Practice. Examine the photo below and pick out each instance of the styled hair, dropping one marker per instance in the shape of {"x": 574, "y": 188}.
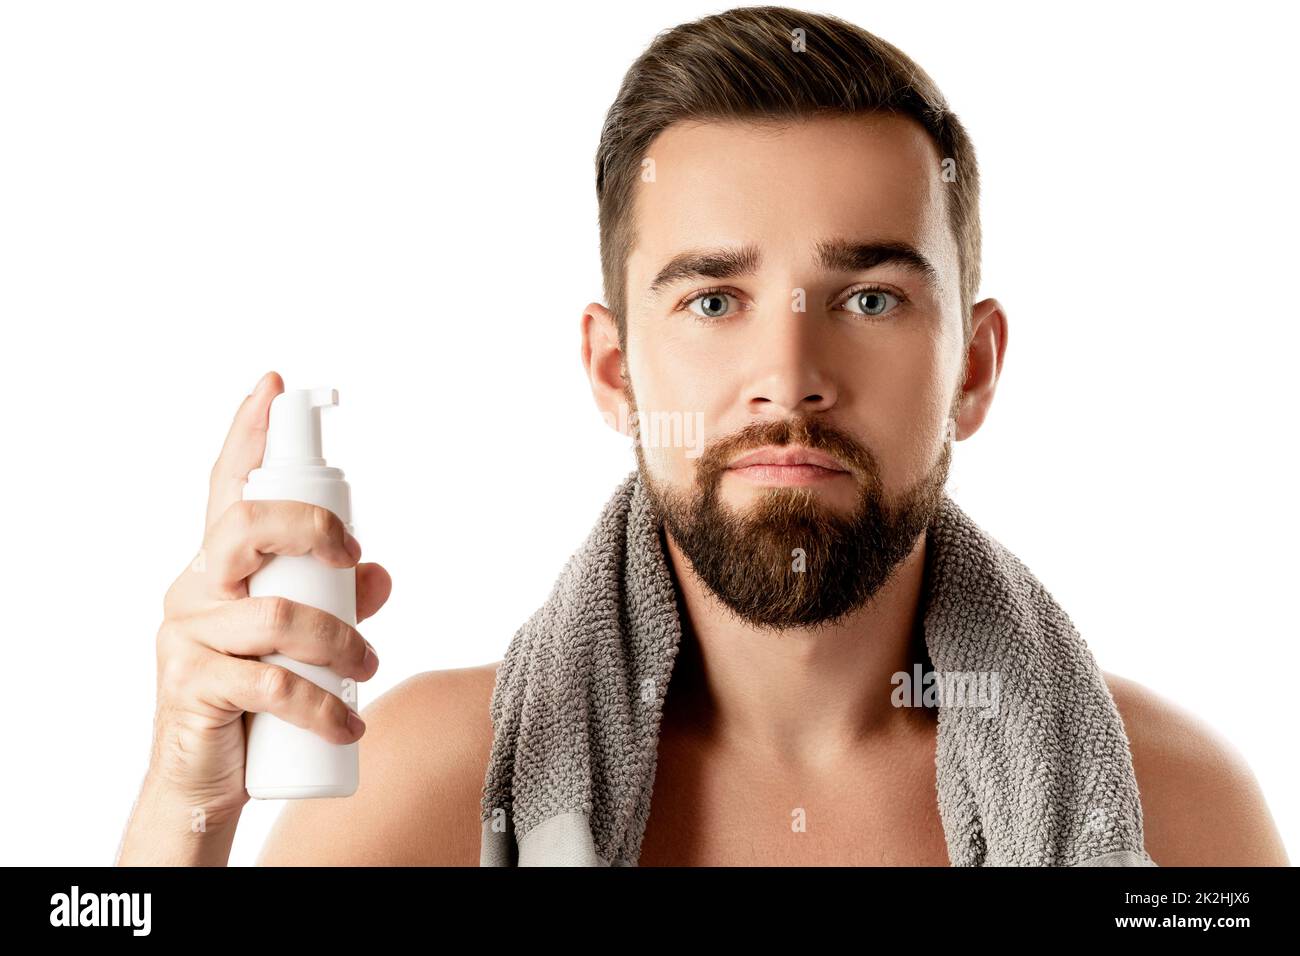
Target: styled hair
{"x": 770, "y": 63}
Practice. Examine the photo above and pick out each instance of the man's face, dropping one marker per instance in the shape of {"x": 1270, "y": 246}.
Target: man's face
{"x": 811, "y": 342}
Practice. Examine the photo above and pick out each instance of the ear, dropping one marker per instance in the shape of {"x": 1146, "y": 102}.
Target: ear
{"x": 984, "y": 356}
{"x": 605, "y": 365}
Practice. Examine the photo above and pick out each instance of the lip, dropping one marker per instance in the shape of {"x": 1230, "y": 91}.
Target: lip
{"x": 787, "y": 456}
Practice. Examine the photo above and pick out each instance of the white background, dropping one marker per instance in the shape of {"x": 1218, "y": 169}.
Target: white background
{"x": 398, "y": 200}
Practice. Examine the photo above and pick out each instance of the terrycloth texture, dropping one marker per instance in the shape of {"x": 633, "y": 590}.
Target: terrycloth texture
{"x": 1047, "y": 780}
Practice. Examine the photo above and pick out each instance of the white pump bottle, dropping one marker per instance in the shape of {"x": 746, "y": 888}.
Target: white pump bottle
{"x": 285, "y": 761}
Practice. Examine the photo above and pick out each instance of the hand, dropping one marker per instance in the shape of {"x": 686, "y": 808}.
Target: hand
{"x": 212, "y": 632}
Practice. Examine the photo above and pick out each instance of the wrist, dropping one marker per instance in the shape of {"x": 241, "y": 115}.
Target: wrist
{"x": 170, "y": 827}
{"x": 190, "y": 812}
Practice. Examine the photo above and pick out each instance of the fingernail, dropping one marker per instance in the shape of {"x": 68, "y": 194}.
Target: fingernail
{"x": 372, "y": 659}
{"x": 259, "y": 383}
{"x": 355, "y": 723}
{"x": 352, "y": 545}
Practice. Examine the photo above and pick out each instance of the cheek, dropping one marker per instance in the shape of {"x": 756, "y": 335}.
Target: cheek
{"x": 677, "y": 399}
{"x": 903, "y": 398}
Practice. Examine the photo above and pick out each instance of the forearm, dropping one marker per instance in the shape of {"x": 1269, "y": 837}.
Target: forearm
{"x": 165, "y": 829}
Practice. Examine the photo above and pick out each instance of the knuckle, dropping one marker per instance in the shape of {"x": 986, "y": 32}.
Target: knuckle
{"x": 329, "y": 709}
{"x": 169, "y": 599}
{"x": 241, "y": 514}
{"x": 323, "y": 630}
{"x": 176, "y": 669}
{"x": 179, "y": 593}
{"x": 336, "y": 632}
{"x": 324, "y": 521}
{"x": 275, "y": 683}
{"x": 360, "y": 648}
{"x": 165, "y": 640}
{"x": 274, "y": 613}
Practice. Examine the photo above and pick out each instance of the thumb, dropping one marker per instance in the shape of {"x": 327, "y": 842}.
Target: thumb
{"x": 245, "y": 444}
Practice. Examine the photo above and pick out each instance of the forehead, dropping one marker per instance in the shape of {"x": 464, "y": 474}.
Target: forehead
{"x": 783, "y": 186}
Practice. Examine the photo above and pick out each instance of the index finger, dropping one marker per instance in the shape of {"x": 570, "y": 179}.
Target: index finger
{"x": 242, "y": 452}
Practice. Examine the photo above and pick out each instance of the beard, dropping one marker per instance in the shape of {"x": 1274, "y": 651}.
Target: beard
{"x": 790, "y": 560}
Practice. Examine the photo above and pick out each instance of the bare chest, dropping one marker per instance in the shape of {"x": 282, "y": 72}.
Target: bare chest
{"x": 709, "y": 810}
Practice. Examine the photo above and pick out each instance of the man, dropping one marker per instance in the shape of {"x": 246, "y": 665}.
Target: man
{"x": 794, "y": 266}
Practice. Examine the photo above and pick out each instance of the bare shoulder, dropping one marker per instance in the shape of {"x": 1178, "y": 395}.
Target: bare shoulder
{"x": 1201, "y": 804}
{"x": 423, "y": 758}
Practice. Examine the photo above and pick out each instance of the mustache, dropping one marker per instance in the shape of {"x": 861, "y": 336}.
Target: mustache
{"x": 808, "y": 432}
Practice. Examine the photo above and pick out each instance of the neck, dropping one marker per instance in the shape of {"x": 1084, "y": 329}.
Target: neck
{"x": 797, "y": 697}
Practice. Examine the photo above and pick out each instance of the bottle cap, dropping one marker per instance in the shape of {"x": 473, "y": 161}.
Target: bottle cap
{"x": 293, "y": 432}
{"x": 293, "y": 465}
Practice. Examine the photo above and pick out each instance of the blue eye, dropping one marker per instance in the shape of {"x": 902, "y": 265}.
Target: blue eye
{"x": 710, "y": 305}
{"x": 712, "y": 301}
{"x": 872, "y": 301}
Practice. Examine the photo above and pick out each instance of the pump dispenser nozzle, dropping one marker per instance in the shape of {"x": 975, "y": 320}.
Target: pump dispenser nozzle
{"x": 293, "y": 464}
{"x": 293, "y": 432}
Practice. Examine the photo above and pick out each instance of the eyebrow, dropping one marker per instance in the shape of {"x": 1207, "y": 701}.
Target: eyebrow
{"x": 836, "y": 255}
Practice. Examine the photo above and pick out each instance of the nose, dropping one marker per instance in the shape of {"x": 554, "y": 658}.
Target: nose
{"x": 790, "y": 372}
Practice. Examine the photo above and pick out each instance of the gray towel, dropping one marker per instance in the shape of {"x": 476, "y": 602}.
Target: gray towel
{"x": 1043, "y": 778}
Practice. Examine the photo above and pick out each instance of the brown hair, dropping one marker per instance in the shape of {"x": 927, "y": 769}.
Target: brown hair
{"x": 742, "y": 64}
